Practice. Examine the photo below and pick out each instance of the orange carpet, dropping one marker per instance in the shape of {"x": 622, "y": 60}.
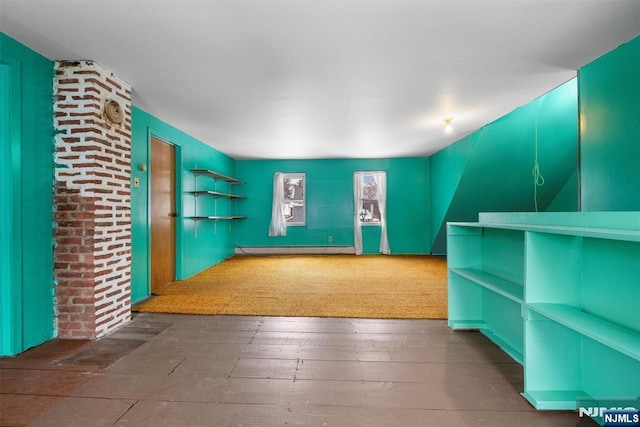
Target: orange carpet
{"x": 368, "y": 286}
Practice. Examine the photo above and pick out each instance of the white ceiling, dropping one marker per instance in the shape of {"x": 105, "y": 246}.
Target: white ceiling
{"x": 328, "y": 78}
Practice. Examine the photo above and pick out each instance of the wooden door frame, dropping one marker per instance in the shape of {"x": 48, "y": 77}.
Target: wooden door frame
{"x": 178, "y": 206}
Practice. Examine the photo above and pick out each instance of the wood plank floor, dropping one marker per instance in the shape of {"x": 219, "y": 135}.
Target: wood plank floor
{"x": 188, "y": 370}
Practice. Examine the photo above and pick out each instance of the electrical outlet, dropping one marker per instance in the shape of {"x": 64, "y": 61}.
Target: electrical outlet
{"x": 330, "y": 239}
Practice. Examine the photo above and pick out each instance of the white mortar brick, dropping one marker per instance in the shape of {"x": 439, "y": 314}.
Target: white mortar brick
{"x": 94, "y": 158}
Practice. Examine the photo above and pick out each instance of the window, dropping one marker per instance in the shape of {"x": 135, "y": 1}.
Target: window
{"x": 370, "y": 212}
{"x": 288, "y": 205}
{"x": 370, "y": 207}
{"x": 294, "y": 198}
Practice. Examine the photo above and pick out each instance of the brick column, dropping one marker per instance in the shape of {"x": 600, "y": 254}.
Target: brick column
{"x": 92, "y": 210}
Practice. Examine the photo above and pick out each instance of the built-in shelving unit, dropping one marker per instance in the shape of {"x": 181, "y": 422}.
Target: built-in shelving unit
{"x": 215, "y": 212}
{"x": 560, "y": 293}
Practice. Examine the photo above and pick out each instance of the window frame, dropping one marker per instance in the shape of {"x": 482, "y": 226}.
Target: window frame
{"x": 361, "y": 175}
{"x": 287, "y": 201}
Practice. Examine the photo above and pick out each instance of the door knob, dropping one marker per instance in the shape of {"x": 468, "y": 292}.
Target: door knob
{"x": 174, "y": 214}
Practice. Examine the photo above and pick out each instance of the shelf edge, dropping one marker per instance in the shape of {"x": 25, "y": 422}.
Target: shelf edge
{"x": 626, "y": 340}
{"x": 499, "y": 286}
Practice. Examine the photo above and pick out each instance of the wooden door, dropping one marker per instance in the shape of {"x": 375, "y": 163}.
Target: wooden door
{"x": 163, "y": 219}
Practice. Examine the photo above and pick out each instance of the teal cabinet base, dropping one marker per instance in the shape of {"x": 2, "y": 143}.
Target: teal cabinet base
{"x": 555, "y": 399}
{"x": 465, "y": 325}
{"x": 504, "y": 345}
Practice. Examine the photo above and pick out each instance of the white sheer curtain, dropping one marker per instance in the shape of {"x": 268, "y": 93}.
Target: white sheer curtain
{"x": 357, "y": 202}
{"x": 380, "y": 179}
{"x": 278, "y": 225}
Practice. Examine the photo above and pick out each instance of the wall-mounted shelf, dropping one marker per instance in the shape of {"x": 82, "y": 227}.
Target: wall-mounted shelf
{"x": 215, "y": 194}
{"x": 217, "y": 217}
{"x": 212, "y": 211}
{"x": 217, "y": 176}
{"x": 559, "y": 293}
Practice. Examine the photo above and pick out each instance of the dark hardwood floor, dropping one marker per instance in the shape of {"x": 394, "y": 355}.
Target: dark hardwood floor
{"x": 231, "y": 370}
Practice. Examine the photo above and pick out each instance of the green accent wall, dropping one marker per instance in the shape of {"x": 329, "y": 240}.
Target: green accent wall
{"x": 491, "y": 170}
{"x": 609, "y": 90}
{"x": 565, "y": 200}
{"x": 213, "y": 242}
{"x": 26, "y": 233}
{"x": 447, "y": 167}
{"x": 329, "y": 201}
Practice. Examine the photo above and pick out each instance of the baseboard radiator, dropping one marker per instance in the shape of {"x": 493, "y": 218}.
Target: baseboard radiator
{"x": 294, "y": 250}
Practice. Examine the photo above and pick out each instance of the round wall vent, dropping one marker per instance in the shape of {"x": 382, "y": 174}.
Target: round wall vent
{"x": 113, "y": 111}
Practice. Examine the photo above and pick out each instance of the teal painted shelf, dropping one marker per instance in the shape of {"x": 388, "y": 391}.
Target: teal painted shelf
{"x": 485, "y": 284}
{"x": 596, "y": 233}
{"x": 506, "y": 288}
{"x": 574, "y": 322}
{"x": 216, "y": 217}
{"x": 215, "y": 194}
{"x": 217, "y": 176}
{"x": 611, "y": 335}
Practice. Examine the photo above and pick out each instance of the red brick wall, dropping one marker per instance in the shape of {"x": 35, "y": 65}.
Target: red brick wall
{"x": 92, "y": 211}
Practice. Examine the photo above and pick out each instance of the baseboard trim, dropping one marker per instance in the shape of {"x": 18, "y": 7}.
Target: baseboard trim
{"x": 295, "y": 250}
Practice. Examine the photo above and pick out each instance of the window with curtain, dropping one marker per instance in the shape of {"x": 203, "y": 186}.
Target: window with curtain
{"x": 288, "y": 206}
{"x": 294, "y": 198}
{"x": 370, "y": 212}
{"x": 370, "y": 198}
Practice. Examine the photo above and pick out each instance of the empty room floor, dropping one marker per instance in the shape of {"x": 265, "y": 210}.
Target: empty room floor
{"x": 167, "y": 369}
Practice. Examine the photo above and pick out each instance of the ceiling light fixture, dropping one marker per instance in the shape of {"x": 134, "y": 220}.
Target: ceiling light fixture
{"x": 447, "y": 125}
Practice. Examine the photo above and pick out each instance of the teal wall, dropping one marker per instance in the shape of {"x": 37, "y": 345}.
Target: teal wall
{"x": 491, "y": 170}
{"x": 610, "y": 130}
{"x": 214, "y": 242}
{"x": 330, "y": 203}
{"x": 566, "y": 199}
{"x": 447, "y": 167}
{"x": 26, "y": 234}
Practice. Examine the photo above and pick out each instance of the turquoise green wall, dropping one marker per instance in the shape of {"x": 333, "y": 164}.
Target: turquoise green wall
{"x": 26, "y": 295}
{"x": 330, "y": 203}
{"x": 610, "y": 130}
{"x": 491, "y": 170}
{"x": 565, "y": 200}
{"x": 447, "y": 167}
{"x": 214, "y": 242}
